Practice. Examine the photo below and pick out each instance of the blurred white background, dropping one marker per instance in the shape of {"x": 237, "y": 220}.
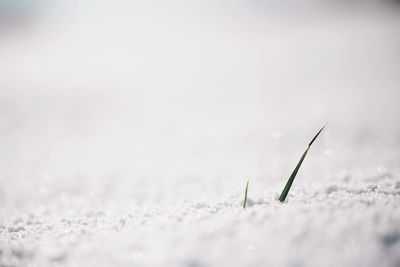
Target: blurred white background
{"x": 102, "y": 102}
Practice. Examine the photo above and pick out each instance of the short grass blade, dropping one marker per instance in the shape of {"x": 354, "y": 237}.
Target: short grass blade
{"x": 289, "y": 183}
{"x": 245, "y": 195}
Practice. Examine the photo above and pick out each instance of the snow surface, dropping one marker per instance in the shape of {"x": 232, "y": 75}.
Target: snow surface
{"x": 346, "y": 223}
{"x": 128, "y": 133}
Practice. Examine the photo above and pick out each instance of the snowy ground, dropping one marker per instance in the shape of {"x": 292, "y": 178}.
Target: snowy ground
{"x": 128, "y": 132}
{"x": 347, "y": 223}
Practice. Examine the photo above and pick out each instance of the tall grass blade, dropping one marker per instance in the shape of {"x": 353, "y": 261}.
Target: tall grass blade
{"x": 289, "y": 183}
{"x": 315, "y": 137}
{"x": 291, "y": 178}
{"x": 245, "y": 196}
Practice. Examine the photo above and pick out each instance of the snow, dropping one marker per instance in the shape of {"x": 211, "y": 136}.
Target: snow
{"x": 140, "y": 156}
{"x": 354, "y": 224}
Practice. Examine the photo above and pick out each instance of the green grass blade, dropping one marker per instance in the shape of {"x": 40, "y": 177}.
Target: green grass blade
{"x": 245, "y": 195}
{"x": 291, "y": 178}
{"x": 315, "y": 137}
{"x": 289, "y": 183}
